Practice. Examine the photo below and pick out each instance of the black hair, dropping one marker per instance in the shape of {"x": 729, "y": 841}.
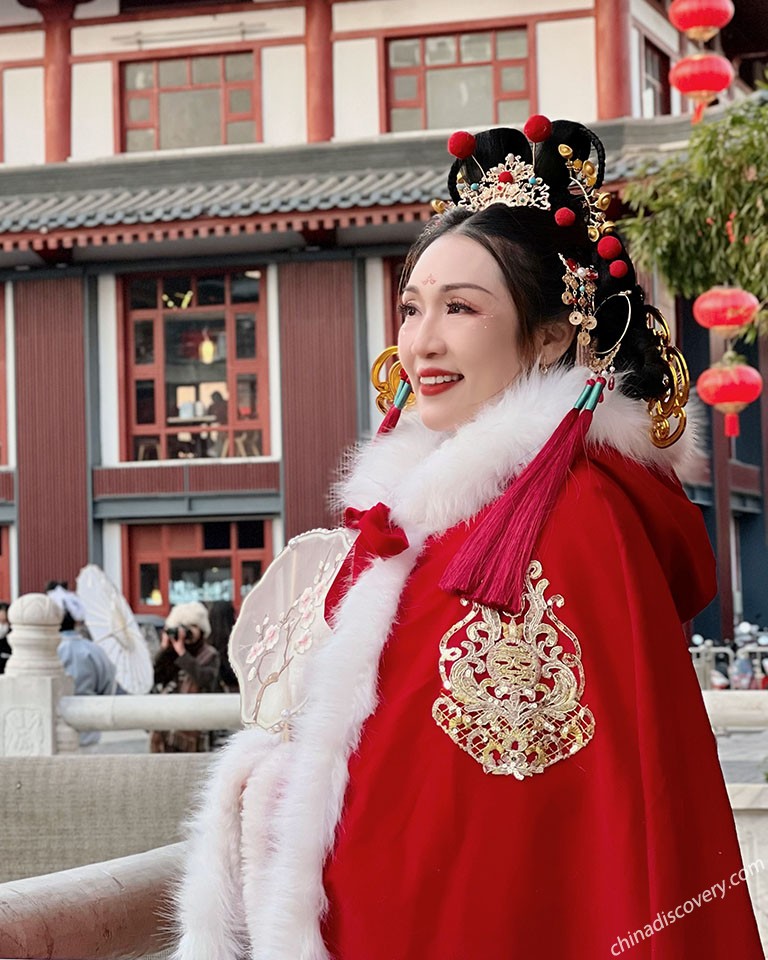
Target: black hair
{"x": 527, "y": 245}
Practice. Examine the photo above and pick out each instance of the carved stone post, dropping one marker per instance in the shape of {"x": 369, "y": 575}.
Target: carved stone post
{"x": 33, "y": 683}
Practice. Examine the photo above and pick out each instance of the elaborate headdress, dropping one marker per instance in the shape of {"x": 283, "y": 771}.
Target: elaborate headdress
{"x": 490, "y": 567}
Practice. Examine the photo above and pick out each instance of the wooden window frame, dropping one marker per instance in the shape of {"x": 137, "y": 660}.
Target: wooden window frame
{"x": 224, "y": 87}
{"x": 135, "y": 557}
{"x": 155, "y": 371}
{"x": 420, "y": 71}
{"x": 662, "y": 88}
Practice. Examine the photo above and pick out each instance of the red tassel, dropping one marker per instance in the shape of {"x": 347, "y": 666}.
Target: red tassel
{"x": 731, "y": 424}
{"x": 491, "y": 566}
{"x": 390, "y": 420}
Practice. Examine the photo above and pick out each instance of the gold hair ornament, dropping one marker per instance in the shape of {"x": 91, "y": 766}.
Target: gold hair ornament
{"x": 668, "y": 418}
{"x": 386, "y": 382}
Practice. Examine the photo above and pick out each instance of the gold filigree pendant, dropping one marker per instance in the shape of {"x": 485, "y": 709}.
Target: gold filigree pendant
{"x": 512, "y": 685}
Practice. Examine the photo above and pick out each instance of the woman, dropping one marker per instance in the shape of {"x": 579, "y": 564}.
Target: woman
{"x": 481, "y": 759}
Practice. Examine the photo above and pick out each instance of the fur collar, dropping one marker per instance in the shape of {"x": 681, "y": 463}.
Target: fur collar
{"x": 432, "y": 480}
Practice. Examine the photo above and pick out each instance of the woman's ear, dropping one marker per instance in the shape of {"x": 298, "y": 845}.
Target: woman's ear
{"x": 554, "y": 339}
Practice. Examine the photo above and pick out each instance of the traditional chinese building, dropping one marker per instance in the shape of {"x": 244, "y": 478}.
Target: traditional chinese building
{"x": 204, "y": 207}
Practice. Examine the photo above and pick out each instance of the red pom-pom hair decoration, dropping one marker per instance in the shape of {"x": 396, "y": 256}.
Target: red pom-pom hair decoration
{"x": 538, "y": 128}
{"x": 609, "y": 247}
{"x": 700, "y": 19}
{"x": 618, "y": 269}
{"x": 565, "y": 217}
{"x": 461, "y": 144}
{"x": 729, "y": 388}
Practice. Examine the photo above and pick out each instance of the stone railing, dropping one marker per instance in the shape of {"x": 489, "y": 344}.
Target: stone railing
{"x": 39, "y": 715}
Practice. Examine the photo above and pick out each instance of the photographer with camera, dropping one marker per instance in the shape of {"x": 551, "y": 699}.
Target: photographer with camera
{"x": 185, "y": 663}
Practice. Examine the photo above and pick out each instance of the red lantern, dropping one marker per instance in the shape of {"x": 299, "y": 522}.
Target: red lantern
{"x": 701, "y": 77}
{"x": 700, "y": 19}
{"x": 725, "y": 309}
{"x": 730, "y": 388}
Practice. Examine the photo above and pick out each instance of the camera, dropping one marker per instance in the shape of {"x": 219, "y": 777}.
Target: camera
{"x": 172, "y": 632}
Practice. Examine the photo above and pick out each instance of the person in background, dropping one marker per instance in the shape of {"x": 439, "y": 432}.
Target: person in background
{"x": 185, "y": 663}
{"x": 222, "y": 618}
{"x": 5, "y": 629}
{"x": 83, "y": 660}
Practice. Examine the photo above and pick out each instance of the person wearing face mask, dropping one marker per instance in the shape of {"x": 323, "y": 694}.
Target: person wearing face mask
{"x": 5, "y": 629}
{"x": 185, "y": 663}
{"x": 460, "y": 744}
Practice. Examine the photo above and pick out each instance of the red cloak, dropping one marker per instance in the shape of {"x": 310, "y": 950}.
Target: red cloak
{"x": 606, "y": 852}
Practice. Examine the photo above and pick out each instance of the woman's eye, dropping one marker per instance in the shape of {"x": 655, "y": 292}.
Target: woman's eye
{"x": 406, "y": 310}
{"x": 455, "y": 306}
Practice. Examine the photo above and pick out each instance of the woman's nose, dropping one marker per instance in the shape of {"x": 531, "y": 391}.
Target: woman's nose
{"x": 429, "y": 340}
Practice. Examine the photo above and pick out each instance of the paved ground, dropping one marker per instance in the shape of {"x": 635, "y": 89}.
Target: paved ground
{"x": 743, "y": 754}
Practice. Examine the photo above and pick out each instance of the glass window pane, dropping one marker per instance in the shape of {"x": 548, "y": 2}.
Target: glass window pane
{"x": 240, "y": 100}
{"x": 439, "y": 50}
{"x": 460, "y": 97}
{"x": 405, "y": 53}
{"x": 142, "y": 293}
{"x": 402, "y": 119}
{"x": 143, "y": 342}
{"x": 145, "y": 401}
{"x": 513, "y": 112}
{"x": 138, "y": 109}
{"x": 200, "y": 578}
{"x": 475, "y": 47}
{"x": 189, "y": 444}
{"x": 511, "y": 44}
{"x": 245, "y": 331}
{"x": 190, "y": 118}
{"x": 206, "y": 70}
{"x": 512, "y": 79}
{"x": 172, "y": 73}
{"x": 139, "y": 76}
{"x": 247, "y": 443}
{"x": 238, "y": 66}
{"x": 149, "y": 585}
{"x": 246, "y": 396}
{"x": 250, "y": 535}
{"x": 177, "y": 292}
{"x": 138, "y": 141}
{"x": 211, "y": 291}
{"x": 217, "y": 535}
{"x": 405, "y": 86}
{"x": 250, "y": 576}
{"x": 241, "y": 131}
{"x": 146, "y": 448}
{"x": 246, "y": 286}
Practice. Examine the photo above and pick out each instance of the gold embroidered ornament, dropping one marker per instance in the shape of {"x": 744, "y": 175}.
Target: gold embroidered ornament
{"x": 513, "y": 685}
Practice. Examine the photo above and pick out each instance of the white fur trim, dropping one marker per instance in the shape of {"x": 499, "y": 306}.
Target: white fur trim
{"x": 209, "y": 913}
{"x": 285, "y": 915}
{"x": 434, "y": 480}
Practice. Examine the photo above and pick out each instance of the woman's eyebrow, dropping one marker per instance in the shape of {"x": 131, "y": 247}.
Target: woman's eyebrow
{"x": 448, "y": 287}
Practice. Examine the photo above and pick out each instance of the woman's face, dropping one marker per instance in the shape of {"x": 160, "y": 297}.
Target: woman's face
{"x": 458, "y": 340}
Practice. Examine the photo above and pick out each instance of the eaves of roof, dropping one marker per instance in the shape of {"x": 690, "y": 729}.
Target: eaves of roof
{"x": 257, "y": 189}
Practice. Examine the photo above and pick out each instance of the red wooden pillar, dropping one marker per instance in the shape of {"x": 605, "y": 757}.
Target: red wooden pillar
{"x": 57, "y": 19}
{"x": 613, "y": 34}
{"x": 319, "y": 71}
{"x": 721, "y": 483}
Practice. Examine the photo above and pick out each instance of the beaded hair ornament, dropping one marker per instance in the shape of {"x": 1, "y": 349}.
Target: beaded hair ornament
{"x": 490, "y": 567}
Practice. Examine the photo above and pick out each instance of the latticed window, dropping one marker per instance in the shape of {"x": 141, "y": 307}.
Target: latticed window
{"x": 198, "y": 368}
{"x": 190, "y": 102}
{"x": 178, "y": 562}
{"x": 462, "y": 79}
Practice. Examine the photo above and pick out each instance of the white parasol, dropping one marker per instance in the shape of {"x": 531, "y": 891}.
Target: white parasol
{"x": 113, "y": 626}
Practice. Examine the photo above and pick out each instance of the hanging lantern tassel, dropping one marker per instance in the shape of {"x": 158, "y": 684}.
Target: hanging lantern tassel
{"x": 730, "y": 387}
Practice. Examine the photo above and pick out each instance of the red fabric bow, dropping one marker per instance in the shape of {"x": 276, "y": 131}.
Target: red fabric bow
{"x": 378, "y": 537}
